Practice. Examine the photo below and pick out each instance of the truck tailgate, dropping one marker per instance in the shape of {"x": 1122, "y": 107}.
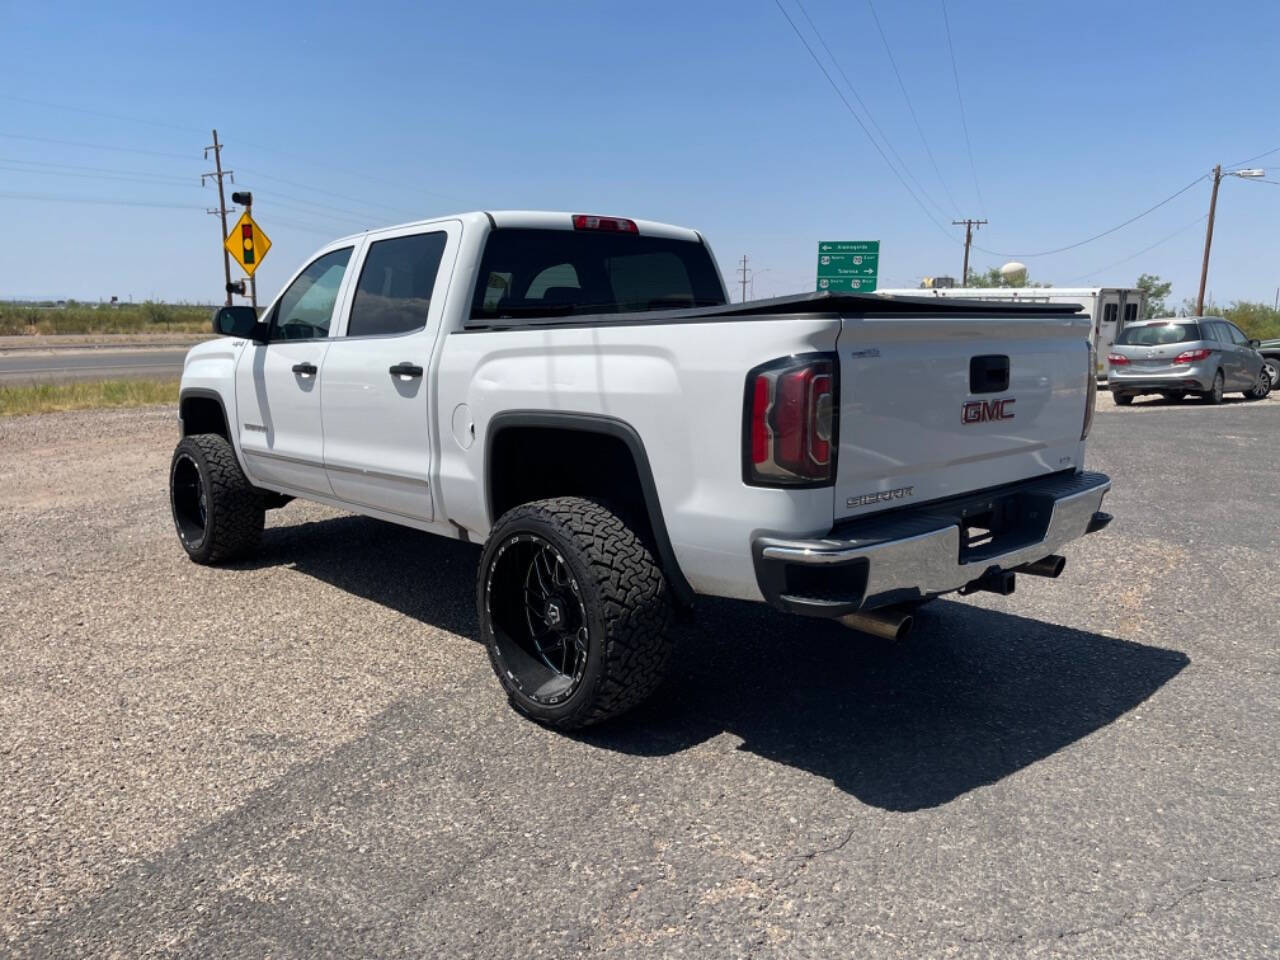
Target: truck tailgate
{"x": 936, "y": 406}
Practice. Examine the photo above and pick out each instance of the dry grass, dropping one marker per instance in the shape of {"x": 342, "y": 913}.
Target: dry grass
{"x": 51, "y": 397}
{"x": 72, "y": 317}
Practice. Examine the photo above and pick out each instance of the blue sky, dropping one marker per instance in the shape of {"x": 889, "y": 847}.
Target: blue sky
{"x": 710, "y": 114}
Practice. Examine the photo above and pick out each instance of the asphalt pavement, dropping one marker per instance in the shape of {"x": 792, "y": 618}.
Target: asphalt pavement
{"x": 307, "y": 755}
{"x": 20, "y": 367}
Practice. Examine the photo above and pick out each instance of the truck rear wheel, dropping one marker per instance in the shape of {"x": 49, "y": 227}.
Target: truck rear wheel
{"x": 217, "y": 512}
{"x": 574, "y": 612}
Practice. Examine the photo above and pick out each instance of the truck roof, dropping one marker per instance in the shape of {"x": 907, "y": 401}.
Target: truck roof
{"x": 537, "y": 220}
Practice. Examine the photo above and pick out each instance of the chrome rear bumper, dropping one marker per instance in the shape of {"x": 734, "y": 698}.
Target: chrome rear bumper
{"x": 905, "y": 555}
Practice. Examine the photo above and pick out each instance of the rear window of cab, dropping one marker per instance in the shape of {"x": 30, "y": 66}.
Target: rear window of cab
{"x": 549, "y": 273}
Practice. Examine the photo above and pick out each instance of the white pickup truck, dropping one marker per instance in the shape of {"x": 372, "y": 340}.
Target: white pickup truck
{"x": 576, "y": 393}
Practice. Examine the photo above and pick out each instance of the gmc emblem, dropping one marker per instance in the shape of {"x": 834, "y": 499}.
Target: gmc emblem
{"x": 980, "y": 411}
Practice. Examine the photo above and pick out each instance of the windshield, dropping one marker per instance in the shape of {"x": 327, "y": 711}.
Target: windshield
{"x": 1156, "y": 334}
{"x": 551, "y": 273}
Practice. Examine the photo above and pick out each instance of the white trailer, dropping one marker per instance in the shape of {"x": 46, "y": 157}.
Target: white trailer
{"x": 1108, "y": 308}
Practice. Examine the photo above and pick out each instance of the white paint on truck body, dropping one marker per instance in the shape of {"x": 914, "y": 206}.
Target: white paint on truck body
{"x": 679, "y": 384}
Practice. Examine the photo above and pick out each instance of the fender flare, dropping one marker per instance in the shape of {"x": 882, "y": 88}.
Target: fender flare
{"x": 208, "y": 393}
{"x": 610, "y": 427}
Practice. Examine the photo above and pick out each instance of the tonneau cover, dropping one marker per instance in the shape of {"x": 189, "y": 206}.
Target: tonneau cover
{"x": 805, "y": 304}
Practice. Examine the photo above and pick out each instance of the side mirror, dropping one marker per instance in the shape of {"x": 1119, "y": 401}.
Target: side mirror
{"x": 237, "y": 321}
{"x": 1255, "y": 343}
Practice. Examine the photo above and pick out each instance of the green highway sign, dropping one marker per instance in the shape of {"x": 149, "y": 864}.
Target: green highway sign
{"x": 848, "y": 266}
{"x": 847, "y": 284}
{"x": 849, "y": 246}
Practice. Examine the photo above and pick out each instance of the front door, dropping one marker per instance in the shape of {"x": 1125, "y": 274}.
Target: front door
{"x": 278, "y": 386}
{"x": 377, "y": 397}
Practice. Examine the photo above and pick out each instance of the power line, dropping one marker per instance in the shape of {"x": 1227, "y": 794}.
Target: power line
{"x": 1182, "y": 229}
{"x": 1096, "y": 236}
{"x": 964, "y": 123}
{"x": 911, "y": 108}
{"x": 1267, "y": 153}
{"x": 349, "y": 173}
{"x": 111, "y": 170}
{"x": 398, "y": 211}
{"x": 853, "y": 113}
{"x": 865, "y": 109}
{"x": 53, "y": 198}
{"x": 97, "y": 113}
{"x": 96, "y": 146}
{"x": 96, "y": 176}
{"x": 172, "y": 126}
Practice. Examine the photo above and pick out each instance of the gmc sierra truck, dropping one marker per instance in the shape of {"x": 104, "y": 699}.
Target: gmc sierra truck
{"x": 576, "y": 393}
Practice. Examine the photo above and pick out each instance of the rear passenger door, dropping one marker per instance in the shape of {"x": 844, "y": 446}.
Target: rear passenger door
{"x": 1248, "y": 362}
{"x": 1231, "y": 374}
{"x": 378, "y": 403}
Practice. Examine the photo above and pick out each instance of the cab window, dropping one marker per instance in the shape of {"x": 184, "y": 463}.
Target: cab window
{"x": 394, "y": 291}
{"x": 306, "y": 308}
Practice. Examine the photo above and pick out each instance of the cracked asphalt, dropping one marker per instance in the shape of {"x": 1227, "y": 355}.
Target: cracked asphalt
{"x": 308, "y": 756}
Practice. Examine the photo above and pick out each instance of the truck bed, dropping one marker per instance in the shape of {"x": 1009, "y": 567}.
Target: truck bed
{"x": 799, "y": 304}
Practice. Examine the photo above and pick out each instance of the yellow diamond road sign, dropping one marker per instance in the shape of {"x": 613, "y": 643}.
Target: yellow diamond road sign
{"x": 248, "y": 244}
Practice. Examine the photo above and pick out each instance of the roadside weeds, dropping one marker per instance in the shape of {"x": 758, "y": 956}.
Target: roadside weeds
{"x": 89, "y": 394}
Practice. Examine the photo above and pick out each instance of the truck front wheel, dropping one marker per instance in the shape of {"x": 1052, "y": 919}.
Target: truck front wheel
{"x": 217, "y": 512}
{"x": 574, "y": 612}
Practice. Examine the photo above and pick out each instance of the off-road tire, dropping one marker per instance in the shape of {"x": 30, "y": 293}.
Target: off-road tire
{"x": 1123, "y": 399}
{"x": 233, "y": 512}
{"x": 1213, "y": 396}
{"x": 625, "y": 597}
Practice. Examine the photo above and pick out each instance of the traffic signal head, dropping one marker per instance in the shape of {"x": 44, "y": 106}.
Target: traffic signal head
{"x": 236, "y": 286}
{"x": 243, "y": 197}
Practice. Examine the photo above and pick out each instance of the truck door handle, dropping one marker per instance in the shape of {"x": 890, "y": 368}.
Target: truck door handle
{"x": 406, "y": 370}
{"x": 306, "y": 369}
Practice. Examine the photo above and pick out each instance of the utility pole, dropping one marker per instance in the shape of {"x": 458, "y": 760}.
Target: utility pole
{"x": 1250, "y": 173}
{"x": 968, "y": 239}
{"x": 1208, "y": 239}
{"x": 742, "y": 270}
{"x": 218, "y": 174}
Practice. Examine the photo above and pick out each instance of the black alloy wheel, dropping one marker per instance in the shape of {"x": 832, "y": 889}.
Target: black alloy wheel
{"x": 573, "y": 610}
{"x": 537, "y": 604}
{"x": 190, "y": 501}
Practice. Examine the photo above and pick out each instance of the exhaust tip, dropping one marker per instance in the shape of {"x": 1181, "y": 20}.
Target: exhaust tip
{"x": 1050, "y": 566}
{"x": 887, "y": 623}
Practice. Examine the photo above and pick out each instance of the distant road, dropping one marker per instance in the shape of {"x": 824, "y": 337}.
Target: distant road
{"x": 59, "y": 366}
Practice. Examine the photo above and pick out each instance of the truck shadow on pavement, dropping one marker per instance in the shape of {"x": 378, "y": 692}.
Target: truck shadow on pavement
{"x": 971, "y": 697}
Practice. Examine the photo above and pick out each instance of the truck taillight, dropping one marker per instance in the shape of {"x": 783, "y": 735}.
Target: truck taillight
{"x": 1091, "y": 391}
{"x": 1191, "y": 356}
{"x": 1117, "y": 359}
{"x": 790, "y": 437}
{"x": 586, "y": 221}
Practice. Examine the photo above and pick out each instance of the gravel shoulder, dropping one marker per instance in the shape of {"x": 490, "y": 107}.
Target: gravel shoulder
{"x": 307, "y": 755}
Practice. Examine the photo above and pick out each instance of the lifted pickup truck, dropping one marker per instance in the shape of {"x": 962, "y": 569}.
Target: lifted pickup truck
{"x": 575, "y": 393}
